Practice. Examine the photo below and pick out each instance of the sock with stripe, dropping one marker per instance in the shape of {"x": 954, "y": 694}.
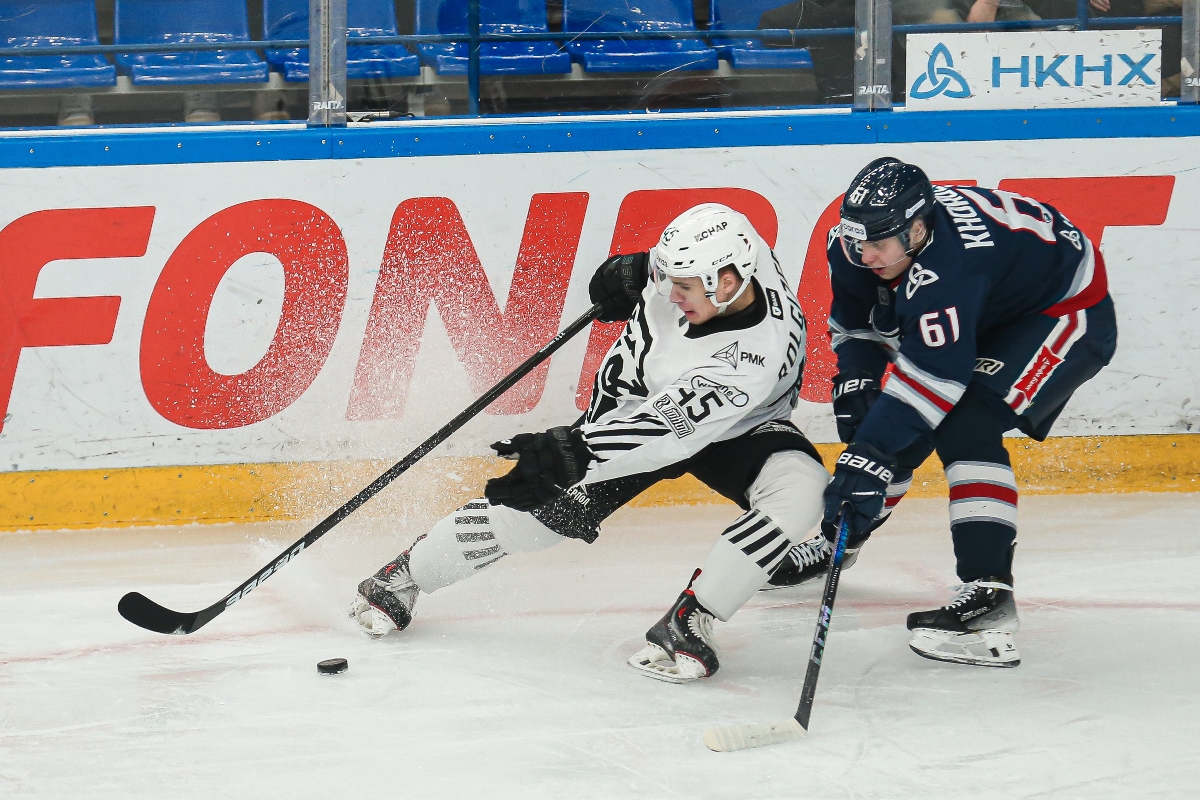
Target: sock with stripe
{"x": 471, "y": 539}
{"x": 739, "y": 563}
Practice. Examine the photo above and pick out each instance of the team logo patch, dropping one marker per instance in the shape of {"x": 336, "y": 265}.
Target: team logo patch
{"x": 775, "y": 304}
{"x": 728, "y": 354}
{"x": 918, "y": 276}
{"x": 673, "y": 415}
{"x": 730, "y": 393}
{"x": 988, "y": 366}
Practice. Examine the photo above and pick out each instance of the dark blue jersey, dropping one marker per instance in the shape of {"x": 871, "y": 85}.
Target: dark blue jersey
{"x": 994, "y": 257}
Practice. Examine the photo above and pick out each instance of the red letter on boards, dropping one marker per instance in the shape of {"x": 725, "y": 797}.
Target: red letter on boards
{"x": 32, "y": 242}
{"x": 176, "y": 377}
{"x": 429, "y": 258}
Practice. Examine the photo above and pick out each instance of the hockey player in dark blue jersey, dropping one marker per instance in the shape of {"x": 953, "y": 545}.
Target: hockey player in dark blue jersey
{"x": 991, "y": 309}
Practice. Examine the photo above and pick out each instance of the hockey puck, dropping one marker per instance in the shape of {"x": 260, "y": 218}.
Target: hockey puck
{"x": 332, "y": 666}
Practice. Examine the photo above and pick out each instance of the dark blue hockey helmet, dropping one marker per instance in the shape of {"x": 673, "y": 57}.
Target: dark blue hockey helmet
{"x": 883, "y": 200}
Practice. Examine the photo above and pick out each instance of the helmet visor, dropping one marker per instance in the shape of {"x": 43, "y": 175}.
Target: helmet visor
{"x": 853, "y": 250}
{"x": 658, "y": 271}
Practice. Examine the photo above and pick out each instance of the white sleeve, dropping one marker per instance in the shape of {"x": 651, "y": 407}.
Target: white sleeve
{"x": 674, "y": 424}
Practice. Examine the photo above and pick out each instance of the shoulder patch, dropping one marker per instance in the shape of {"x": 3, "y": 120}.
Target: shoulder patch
{"x": 728, "y": 354}
{"x": 731, "y": 393}
{"x": 673, "y": 415}
{"x": 775, "y": 304}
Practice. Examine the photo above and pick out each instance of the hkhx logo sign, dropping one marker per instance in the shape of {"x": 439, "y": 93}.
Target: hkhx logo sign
{"x": 1034, "y": 69}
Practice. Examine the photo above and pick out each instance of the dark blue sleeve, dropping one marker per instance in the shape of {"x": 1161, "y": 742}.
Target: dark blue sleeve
{"x": 853, "y": 339}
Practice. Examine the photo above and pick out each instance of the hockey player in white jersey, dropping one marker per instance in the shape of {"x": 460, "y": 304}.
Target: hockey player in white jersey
{"x": 703, "y": 380}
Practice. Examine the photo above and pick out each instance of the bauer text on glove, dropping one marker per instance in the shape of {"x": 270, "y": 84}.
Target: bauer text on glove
{"x": 859, "y": 483}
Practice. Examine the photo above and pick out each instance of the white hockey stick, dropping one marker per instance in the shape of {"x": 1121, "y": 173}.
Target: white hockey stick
{"x": 729, "y": 738}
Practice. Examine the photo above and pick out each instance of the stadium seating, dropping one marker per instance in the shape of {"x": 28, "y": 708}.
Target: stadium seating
{"x": 635, "y": 55}
{"x": 495, "y": 58}
{"x": 39, "y": 24}
{"x": 288, "y": 19}
{"x": 159, "y": 21}
{"x": 751, "y": 53}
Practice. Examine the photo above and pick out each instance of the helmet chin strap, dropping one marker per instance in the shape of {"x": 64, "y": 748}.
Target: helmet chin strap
{"x": 721, "y": 307}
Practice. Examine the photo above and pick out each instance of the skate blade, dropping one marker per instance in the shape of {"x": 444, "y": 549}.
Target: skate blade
{"x": 982, "y": 649}
{"x": 731, "y": 738}
{"x": 654, "y": 662}
{"x": 370, "y": 620}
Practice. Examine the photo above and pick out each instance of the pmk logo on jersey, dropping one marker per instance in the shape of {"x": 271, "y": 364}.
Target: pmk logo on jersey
{"x": 754, "y": 361}
{"x": 728, "y": 354}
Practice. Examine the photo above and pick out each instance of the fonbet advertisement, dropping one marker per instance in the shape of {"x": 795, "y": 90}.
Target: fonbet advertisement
{"x": 309, "y": 311}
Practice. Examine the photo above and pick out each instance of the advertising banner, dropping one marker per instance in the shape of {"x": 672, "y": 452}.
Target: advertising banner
{"x": 311, "y": 310}
{"x": 1033, "y": 69}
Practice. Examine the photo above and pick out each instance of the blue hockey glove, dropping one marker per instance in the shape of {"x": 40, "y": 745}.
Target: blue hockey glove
{"x": 860, "y": 481}
{"x": 853, "y": 396}
{"x": 617, "y": 285}
{"x": 547, "y": 465}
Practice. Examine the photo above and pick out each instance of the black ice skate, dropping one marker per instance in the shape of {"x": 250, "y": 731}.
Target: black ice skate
{"x": 807, "y": 560}
{"x": 385, "y": 600}
{"x": 680, "y": 647}
{"x": 976, "y": 628}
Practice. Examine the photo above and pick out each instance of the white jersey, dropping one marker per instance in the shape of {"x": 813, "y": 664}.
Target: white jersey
{"x": 668, "y": 388}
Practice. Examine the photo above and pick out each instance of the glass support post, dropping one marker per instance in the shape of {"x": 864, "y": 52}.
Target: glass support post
{"x": 1189, "y": 63}
{"x": 473, "y": 58}
{"x": 326, "y": 63}
{"x": 873, "y": 55}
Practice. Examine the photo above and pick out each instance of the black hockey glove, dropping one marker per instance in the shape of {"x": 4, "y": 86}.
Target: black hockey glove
{"x": 860, "y": 481}
{"x": 618, "y": 284}
{"x": 853, "y": 396}
{"x": 547, "y": 465}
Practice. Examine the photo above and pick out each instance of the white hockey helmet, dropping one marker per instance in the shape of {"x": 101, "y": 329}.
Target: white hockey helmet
{"x": 699, "y": 243}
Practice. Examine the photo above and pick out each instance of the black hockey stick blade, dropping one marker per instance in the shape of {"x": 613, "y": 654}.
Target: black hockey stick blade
{"x": 731, "y": 738}
{"x": 145, "y": 613}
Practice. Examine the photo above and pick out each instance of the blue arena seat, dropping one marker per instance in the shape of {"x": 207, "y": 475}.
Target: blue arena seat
{"x": 635, "y": 55}
{"x": 495, "y": 58}
{"x": 41, "y": 25}
{"x": 288, "y": 19}
{"x": 158, "y": 21}
{"x": 743, "y": 15}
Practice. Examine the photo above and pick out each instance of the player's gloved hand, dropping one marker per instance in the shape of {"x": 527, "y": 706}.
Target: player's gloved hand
{"x": 853, "y": 396}
{"x": 618, "y": 284}
{"x": 547, "y": 465}
{"x": 860, "y": 481}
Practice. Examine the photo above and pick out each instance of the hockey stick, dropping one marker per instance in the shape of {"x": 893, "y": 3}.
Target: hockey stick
{"x": 145, "y": 613}
{"x": 727, "y": 738}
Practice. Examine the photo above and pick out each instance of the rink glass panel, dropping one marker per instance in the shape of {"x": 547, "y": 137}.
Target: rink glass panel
{"x": 82, "y": 62}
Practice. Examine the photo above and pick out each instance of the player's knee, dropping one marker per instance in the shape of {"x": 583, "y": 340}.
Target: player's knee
{"x": 789, "y": 489}
{"x": 519, "y": 531}
{"x": 974, "y": 431}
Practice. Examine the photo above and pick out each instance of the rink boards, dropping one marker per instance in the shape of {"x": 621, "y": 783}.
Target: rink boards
{"x": 248, "y": 323}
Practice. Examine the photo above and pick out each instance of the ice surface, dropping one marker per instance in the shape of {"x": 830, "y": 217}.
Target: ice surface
{"x": 514, "y": 684}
